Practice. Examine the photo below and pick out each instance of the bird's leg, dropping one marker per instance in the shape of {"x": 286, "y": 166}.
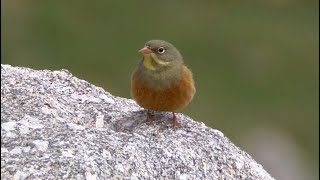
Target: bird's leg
{"x": 149, "y": 117}
{"x": 174, "y": 121}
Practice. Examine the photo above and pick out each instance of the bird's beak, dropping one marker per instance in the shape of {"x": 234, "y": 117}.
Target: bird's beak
{"x": 145, "y": 50}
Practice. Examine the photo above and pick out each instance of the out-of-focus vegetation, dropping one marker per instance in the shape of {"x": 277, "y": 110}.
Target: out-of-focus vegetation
{"x": 255, "y": 62}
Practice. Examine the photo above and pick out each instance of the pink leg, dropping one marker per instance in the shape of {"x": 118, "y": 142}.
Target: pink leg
{"x": 174, "y": 121}
{"x": 149, "y": 117}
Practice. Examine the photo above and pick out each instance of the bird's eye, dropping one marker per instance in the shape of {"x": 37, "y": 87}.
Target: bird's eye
{"x": 161, "y": 50}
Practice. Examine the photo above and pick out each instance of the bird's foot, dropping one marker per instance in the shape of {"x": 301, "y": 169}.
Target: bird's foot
{"x": 175, "y": 122}
{"x": 149, "y": 118}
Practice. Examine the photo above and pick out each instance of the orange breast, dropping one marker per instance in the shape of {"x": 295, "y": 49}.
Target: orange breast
{"x": 173, "y": 98}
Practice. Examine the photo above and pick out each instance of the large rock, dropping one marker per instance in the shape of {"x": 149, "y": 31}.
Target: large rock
{"x": 56, "y": 126}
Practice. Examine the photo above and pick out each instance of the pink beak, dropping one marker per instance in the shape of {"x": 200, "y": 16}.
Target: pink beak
{"x": 145, "y": 50}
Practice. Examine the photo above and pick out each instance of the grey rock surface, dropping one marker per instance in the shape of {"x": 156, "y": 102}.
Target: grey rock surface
{"x": 56, "y": 126}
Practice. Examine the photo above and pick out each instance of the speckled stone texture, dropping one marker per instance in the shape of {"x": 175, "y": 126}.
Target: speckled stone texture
{"x": 56, "y": 126}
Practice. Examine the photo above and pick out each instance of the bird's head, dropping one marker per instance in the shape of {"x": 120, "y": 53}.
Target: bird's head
{"x": 159, "y": 54}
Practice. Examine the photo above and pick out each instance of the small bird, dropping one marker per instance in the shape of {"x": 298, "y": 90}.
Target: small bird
{"x": 161, "y": 81}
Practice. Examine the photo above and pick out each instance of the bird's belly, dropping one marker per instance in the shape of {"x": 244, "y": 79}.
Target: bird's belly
{"x": 172, "y": 98}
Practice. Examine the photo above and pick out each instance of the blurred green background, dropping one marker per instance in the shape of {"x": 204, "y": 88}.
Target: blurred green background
{"x": 255, "y": 63}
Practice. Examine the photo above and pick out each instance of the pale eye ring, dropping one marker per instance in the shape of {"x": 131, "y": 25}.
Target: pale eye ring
{"x": 161, "y": 50}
